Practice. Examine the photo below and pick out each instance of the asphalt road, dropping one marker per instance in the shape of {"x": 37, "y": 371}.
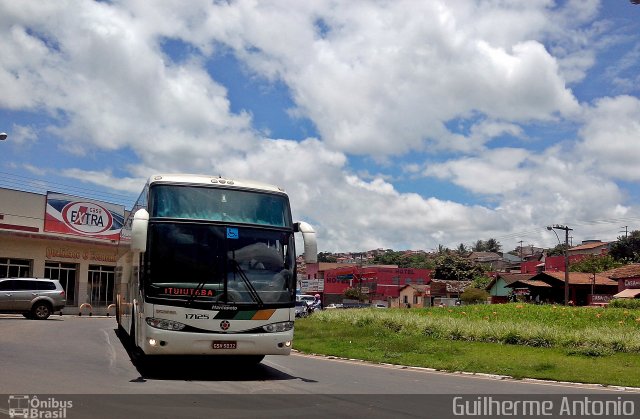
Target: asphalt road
{"x": 84, "y": 360}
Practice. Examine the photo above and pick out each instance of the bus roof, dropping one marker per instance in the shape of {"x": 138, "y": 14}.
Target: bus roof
{"x": 191, "y": 179}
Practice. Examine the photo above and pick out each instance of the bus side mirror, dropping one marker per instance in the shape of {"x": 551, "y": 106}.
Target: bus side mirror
{"x": 310, "y": 244}
{"x": 139, "y": 230}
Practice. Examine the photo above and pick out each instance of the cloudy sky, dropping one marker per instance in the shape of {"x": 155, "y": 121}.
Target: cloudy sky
{"x": 394, "y": 124}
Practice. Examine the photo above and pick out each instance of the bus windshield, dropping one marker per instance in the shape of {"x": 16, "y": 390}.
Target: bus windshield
{"x": 218, "y": 204}
{"x": 200, "y": 264}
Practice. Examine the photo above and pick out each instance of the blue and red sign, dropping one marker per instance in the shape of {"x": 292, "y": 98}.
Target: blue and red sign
{"x": 83, "y": 217}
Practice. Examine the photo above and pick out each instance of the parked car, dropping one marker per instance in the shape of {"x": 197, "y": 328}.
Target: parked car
{"x": 34, "y": 298}
{"x": 380, "y": 305}
{"x": 302, "y": 309}
{"x": 334, "y": 305}
{"x": 306, "y": 298}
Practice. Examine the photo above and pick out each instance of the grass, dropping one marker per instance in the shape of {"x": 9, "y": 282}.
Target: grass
{"x": 562, "y": 343}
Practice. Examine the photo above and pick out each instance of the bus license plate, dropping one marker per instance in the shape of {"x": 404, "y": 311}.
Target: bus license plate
{"x": 224, "y": 344}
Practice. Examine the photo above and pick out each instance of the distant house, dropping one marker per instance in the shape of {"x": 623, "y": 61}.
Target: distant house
{"x": 413, "y": 296}
{"x": 493, "y": 261}
{"x": 549, "y": 287}
{"x": 512, "y": 262}
{"x": 628, "y": 278}
{"x": 590, "y": 247}
{"x": 499, "y": 288}
{"x": 447, "y": 288}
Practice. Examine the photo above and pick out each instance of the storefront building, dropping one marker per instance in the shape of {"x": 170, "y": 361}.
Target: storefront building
{"x": 63, "y": 237}
{"x": 376, "y": 283}
{"x": 628, "y": 278}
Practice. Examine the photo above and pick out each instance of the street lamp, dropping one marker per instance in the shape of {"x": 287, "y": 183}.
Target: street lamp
{"x": 566, "y": 256}
{"x": 3, "y": 136}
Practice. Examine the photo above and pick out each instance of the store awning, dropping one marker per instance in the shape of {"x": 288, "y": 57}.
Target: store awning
{"x": 628, "y": 293}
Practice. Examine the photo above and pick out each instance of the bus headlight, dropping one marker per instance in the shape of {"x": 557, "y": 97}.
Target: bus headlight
{"x": 164, "y": 324}
{"x": 278, "y": 327}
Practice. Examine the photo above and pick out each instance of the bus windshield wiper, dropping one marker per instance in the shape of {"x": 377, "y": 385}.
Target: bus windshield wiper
{"x": 198, "y": 288}
{"x": 250, "y": 288}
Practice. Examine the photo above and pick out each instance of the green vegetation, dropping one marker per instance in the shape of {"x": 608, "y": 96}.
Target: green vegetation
{"x": 549, "y": 342}
{"x": 354, "y": 294}
{"x": 633, "y": 304}
{"x": 627, "y": 248}
{"x": 455, "y": 268}
{"x": 473, "y": 295}
{"x": 405, "y": 260}
{"x": 595, "y": 264}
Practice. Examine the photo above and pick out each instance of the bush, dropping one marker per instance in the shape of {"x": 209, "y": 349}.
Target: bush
{"x": 353, "y": 294}
{"x": 625, "y": 303}
{"x": 474, "y": 296}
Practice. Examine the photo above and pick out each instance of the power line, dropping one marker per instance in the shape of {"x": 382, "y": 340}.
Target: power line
{"x": 36, "y": 185}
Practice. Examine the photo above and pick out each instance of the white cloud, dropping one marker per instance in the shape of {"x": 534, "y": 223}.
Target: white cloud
{"x": 380, "y": 79}
{"x": 23, "y": 136}
{"x": 495, "y": 172}
{"x": 611, "y": 137}
{"x": 383, "y": 79}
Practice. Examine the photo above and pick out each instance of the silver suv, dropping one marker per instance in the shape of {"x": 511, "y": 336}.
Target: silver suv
{"x": 35, "y": 298}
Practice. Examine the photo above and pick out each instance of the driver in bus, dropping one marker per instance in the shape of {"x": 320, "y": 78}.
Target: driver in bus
{"x": 258, "y": 257}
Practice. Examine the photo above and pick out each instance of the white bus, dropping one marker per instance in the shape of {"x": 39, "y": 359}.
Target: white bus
{"x": 207, "y": 266}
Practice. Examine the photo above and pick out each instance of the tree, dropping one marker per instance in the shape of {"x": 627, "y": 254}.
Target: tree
{"x": 473, "y": 295}
{"x": 404, "y": 260}
{"x": 492, "y": 245}
{"x": 453, "y": 267}
{"x": 626, "y": 249}
{"x": 594, "y": 264}
{"x": 354, "y": 294}
{"x": 481, "y": 282}
{"x": 462, "y": 250}
{"x": 557, "y": 251}
{"x": 478, "y": 246}
{"x": 327, "y": 257}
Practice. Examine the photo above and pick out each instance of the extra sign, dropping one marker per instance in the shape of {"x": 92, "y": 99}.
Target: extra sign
{"x": 70, "y": 215}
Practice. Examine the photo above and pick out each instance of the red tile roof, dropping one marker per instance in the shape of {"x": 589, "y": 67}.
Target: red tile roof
{"x": 588, "y": 246}
{"x": 580, "y": 278}
{"x": 534, "y": 283}
{"x": 627, "y": 271}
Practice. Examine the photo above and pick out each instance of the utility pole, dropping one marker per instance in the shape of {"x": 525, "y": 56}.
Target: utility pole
{"x": 520, "y": 249}
{"x": 626, "y": 231}
{"x": 566, "y": 256}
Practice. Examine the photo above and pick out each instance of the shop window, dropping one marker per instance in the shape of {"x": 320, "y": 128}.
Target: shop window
{"x": 15, "y": 268}
{"x": 66, "y": 273}
{"x": 100, "y": 285}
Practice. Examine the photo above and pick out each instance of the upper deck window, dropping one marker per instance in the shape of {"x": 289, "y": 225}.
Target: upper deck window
{"x": 217, "y": 204}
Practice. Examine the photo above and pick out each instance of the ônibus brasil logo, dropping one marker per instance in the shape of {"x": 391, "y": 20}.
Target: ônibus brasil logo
{"x": 87, "y": 217}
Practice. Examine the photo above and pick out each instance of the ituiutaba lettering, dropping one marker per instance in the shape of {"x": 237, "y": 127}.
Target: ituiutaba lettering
{"x": 189, "y": 291}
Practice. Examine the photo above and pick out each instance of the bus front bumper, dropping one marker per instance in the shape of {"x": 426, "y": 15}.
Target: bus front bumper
{"x": 166, "y": 342}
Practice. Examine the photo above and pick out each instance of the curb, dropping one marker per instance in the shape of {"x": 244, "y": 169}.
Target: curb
{"x": 477, "y": 374}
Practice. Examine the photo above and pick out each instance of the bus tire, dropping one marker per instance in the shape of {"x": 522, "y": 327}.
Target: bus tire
{"x": 118, "y": 315}
{"x": 132, "y": 334}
